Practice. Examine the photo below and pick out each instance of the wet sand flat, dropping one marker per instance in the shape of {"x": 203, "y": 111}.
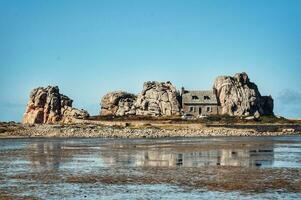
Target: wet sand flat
{"x": 195, "y": 168}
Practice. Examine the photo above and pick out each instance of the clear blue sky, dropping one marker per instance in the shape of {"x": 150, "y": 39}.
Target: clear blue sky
{"x": 91, "y": 47}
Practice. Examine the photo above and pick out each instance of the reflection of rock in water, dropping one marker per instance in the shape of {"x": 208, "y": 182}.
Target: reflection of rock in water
{"x": 45, "y": 155}
{"x": 189, "y": 157}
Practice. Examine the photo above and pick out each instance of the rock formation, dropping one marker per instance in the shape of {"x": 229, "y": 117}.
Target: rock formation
{"x": 240, "y": 97}
{"x": 118, "y": 103}
{"x": 47, "y": 105}
{"x": 158, "y": 99}
{"x": 236, "y": 96}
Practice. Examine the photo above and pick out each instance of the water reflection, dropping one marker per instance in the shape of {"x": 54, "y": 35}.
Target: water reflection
{"x": 48, "y": 155}
{"x": 24, "y": 162}
{"x": 187, "y": 156}
{"x": 54, "y": 154}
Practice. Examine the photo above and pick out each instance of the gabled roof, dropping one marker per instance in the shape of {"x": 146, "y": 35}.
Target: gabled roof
{"x": 199, "y": 97}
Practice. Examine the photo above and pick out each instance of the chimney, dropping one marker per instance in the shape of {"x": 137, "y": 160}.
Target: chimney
{"x": 215, "y": 91}
{"x": 182, "y": 90}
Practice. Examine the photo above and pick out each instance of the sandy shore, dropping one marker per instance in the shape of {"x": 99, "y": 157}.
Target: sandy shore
{"x": 133, "y": 130}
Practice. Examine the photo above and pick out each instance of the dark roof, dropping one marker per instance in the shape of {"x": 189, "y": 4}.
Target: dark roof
{"x": 199, "y": 97}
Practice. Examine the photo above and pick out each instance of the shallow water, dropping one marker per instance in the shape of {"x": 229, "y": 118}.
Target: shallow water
{"x": 195, "y": 168}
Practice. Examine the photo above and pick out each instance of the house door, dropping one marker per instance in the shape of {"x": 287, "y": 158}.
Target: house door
{"x": 200, "y": 110}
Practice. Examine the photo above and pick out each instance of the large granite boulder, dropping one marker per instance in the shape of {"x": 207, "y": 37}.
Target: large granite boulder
{"x": 158, "y": 99}
{"x": 118, "y": 103}
{"x": 70, "y": 114}
{"x": 47, "y": 105}
{"x": 240, "y": 97}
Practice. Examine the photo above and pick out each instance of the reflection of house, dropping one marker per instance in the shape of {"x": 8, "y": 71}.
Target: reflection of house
{"x": 156, "y": 159}
{"x": 202, "y": 102}
{"x": 253, "y": 156}
{"x": 247, "y": 157}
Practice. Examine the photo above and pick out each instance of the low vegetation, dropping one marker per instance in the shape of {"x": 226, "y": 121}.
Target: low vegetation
{"x": 9, "y": 127}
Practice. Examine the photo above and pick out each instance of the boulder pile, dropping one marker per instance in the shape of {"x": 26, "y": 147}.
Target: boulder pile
{"x": 240, "y": 97}
{"x": 156, "y": 99}
{"x": 236, "y": 96}
{"x": 118, "y": 103}
{"x": 47, "y": 105}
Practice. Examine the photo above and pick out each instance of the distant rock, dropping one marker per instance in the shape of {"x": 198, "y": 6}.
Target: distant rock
{"x": 158, "y": 99}
{"x": 47, "y": 105}
{"x": 118, "y": 103}
{"x": 240, "y": 97}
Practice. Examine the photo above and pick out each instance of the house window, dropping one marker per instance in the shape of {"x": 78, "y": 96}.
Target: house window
{"x": 191, "y": 109}
{"x": 195, "y": 97}
{"x": 208, "y": 109}
{"x": 206, "y": 98}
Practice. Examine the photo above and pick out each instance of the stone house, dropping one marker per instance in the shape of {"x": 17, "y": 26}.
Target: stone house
{"x": 199, "y": 102}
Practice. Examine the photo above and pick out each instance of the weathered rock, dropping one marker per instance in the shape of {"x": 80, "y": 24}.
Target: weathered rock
{"x": 240, "y": 97}
{"x": 250, "y": 118}
{"x": 158, "y": 99}
{"x": 69, "y": 114}
{"x": 118, "y": 103}
{"x": 47, "y": 105}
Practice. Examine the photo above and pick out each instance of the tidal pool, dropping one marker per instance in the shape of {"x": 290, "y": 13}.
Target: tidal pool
{"x": 182, "y": 168}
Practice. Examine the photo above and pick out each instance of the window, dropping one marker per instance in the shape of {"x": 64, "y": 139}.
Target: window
{"x": 191, "y": 109}
{"x": 206, "y": 98}
{"x": 195, "y": 97}
{"x": 208, "y": 109}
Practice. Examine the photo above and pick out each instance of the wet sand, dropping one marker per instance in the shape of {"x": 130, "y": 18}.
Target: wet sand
{"x": 208, "y": 168}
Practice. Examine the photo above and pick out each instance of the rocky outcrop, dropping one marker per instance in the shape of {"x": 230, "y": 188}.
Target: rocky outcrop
{"x": 240, "y": 97}
{"x": 118, "y": 103}
{"x": 158, "y": 99}
{"x": 236, "y": 96}
{"x": 47, "y": 105}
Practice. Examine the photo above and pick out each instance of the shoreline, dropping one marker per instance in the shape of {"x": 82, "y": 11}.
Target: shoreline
{"x": 126, "y": 130}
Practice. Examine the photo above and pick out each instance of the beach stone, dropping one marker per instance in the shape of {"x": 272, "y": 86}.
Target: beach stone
{"x": 250, "y": 118}
{"x": 240, "y": 97}
{"x": 118, "y": 103}
{"x": 288, "y": 130}
{"x": 47, "y": 105}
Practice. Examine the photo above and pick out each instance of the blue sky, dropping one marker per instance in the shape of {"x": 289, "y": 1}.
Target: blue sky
{"x": 89, "y": 47}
